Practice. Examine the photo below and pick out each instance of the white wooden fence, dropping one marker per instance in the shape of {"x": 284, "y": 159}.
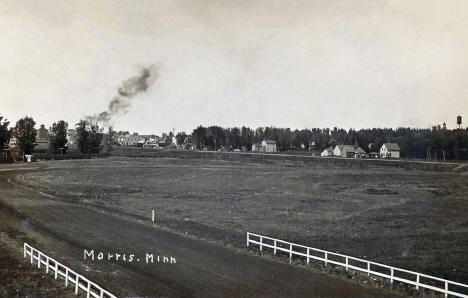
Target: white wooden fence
{"x": 394, "y": 274}
{"x": 80, "y": 282}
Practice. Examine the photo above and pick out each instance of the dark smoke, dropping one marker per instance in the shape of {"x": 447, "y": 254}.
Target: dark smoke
{"x": 129, "y": 89}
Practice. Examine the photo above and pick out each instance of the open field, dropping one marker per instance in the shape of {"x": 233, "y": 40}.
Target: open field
{"x": 409, "y": 219}
{"x": 63, "y": 229}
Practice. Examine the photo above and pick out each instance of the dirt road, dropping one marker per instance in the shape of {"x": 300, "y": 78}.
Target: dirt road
{"x": 63, "y": 230}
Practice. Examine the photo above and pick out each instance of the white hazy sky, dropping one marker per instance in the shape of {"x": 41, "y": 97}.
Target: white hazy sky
{"x": 297, "y": 64}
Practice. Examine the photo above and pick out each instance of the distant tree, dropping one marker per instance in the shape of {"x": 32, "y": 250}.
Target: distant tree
{"x": 26, "y": 134}
{"x": 217, "y": 136}
{"x": 181, "y": 137}
{"x": 89, "y": 137}
{"x": 4, "y": 132}
{"x": 58, "y": 135}
{"x": 199, "y": 137}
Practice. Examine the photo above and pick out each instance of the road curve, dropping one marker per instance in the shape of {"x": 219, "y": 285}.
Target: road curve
{"x": 63, "y": 230}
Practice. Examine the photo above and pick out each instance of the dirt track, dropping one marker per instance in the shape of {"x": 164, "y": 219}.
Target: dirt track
{"x": 62, "y": 230}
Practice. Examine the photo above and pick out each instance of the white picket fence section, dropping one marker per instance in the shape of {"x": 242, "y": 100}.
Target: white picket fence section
{"x": 392, "y": 273}
{"x": 80, "y": 282}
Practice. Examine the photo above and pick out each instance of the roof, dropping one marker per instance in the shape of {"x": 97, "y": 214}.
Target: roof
{"x": 391, "y": 146}
{"x": 340, "y": 147}
{"x": 353, "y": 148}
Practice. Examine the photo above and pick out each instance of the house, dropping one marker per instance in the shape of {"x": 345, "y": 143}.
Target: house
{"x": 348, "y": 151}
{"x": 270, "y": 146}
{"x": 42, "y": 139}
{"x": 327, "y": 152}
{"x": 13, "y": 139}
{"x": 265, "y": 146}
{"x": 390, "y": 150}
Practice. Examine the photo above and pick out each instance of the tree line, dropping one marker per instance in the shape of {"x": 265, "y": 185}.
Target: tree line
{"x": 438, "y": 142}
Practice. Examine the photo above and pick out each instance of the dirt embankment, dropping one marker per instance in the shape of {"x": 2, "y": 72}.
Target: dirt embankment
{"x": 18, "y": 278}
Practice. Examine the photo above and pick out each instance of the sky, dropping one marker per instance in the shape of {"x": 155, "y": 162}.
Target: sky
{"x": 297, "y": 64}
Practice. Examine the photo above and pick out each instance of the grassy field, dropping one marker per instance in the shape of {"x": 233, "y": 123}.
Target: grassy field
{"x": 406, "y": 218}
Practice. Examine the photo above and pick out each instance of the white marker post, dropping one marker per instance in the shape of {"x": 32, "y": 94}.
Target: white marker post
{"x": 152, "y": 217}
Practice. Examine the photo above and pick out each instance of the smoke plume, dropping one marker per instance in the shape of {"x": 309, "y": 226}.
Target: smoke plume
{"x": 125, "y": 93}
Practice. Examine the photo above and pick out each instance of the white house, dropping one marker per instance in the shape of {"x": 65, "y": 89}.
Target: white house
{"x": 337, "y": 150}
{"x": 327, "y": 152}
{"x": 265, "y": 146}
{"x": 270, "y": 146}
{"x": 390, "y": 150}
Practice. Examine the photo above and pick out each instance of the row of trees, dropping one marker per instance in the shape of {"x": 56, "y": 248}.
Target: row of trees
{"x": 414, "y": 143}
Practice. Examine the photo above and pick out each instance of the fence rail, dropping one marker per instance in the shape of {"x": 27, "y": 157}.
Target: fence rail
{"x": 80, "y": 282}
{"x": 394, "y": 274}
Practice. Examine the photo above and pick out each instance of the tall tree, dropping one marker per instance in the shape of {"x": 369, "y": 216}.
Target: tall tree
{"x": 58, "y": 135}
{"x": 89, "y": 137}
{"x": 181, "y": 138}
{"x": 26, "y": 134}
{"x": 4, "y": 132}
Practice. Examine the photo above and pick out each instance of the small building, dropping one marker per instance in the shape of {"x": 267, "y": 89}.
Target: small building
{"x": 327, "y": 152}
{"x": 390, "y": 150}
{"x": 349, "y": 151}
{"x": 373, "y": 155}
{"x": 256, "y": 147}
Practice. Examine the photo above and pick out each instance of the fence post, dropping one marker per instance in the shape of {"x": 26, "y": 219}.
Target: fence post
{"x": 24, "y": 249}
{"x": 346, "y": 263}
{"x": 89, "y": 289}
{"x": 47, "y": 265}
{"x": 446, "y": 289}
{"x": 77, "y": 283}
{"x": 38, "y": 259}
{"x": 290, "y": 251}
{"x": 261, "y": 243}
{"x": 102, "y": 293}
{"x": 66, "y": 276}
{"x": 274, "y": 249}
{"x": 417, "y": 281}
{"x": 391, "y": 274}
{"x": 368, "y": 268}
{"x": 56, "y": 269}
{"x": 308, "y": 254}
{"x": 326, "y": 258}
{"x": 247, "y": 239}
{"x": 31, "y": 254}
